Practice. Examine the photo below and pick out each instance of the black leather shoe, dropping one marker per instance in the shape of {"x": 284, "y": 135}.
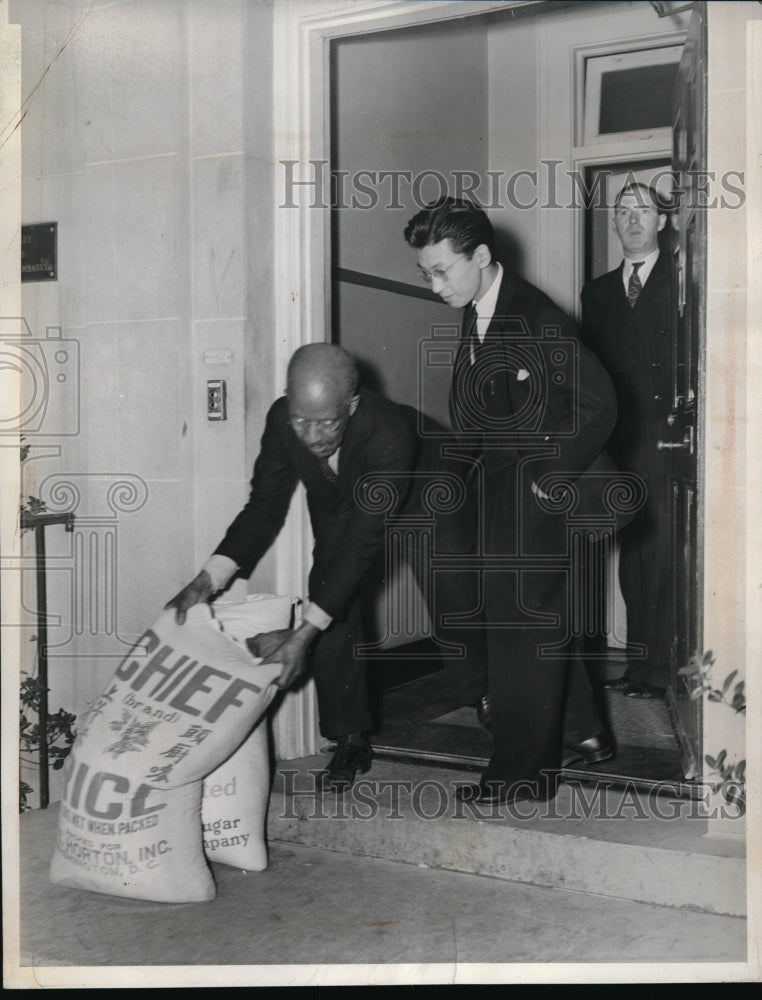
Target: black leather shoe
{"x": 643, "y": 691}
{"x": 353, "y": 754}
{"x": 484, "y": 712}
{"x": 500, "y": 792}
{"x": 589, "y": 751}
{"x": 620, "y": 684}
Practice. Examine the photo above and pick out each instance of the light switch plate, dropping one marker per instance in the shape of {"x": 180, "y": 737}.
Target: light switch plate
{"x": 216, "y": 399}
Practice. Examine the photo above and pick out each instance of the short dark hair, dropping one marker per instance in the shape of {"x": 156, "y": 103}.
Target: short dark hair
{"x": 455, "y": 219}
{"x": 662, "y": 203}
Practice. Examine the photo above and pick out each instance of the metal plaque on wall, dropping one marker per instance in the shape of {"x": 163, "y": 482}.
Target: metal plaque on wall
{"x": 39, "y": 252}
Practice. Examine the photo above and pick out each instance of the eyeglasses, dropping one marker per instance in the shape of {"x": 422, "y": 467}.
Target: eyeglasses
{"x": 440, "y": 273}
{"x": 302, "y": 423}
{"x": 330, "y": 425}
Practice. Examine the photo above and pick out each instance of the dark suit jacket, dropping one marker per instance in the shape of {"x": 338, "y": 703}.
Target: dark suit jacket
{"x": 378, "y": 440}
{"x": 635, "y": 345}
{"x": 534, "y": 387}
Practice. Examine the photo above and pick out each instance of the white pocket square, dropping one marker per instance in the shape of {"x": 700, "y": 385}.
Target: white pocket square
{"x": 522, "y": 374}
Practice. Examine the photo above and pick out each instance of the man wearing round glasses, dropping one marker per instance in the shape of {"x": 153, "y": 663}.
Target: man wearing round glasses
{"x": 327, "y": 433}
{"x": 530, "y": 406}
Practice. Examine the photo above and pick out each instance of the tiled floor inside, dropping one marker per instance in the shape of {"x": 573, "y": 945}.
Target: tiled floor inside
{"x": 419, "y": 719}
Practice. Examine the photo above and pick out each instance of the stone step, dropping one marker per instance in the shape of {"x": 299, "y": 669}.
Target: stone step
{"x": 618, "y": 842}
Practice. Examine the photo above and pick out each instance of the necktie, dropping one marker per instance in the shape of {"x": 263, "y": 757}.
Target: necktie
{"x": 634, "y": 288}
{"x": 328, "y": 472}
{"x": 470, "y": 331}
{"x": 463, "y": 362}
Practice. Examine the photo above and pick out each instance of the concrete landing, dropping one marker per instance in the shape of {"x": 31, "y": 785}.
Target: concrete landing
{"x": 619, "y": 843}
{"x": 317, "y": 917}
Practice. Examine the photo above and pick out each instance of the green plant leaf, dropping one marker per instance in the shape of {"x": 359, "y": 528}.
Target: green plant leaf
{"x": 738, "y": 702}
{"x": 710, "y": 761}
{"x": 728, "y": 681}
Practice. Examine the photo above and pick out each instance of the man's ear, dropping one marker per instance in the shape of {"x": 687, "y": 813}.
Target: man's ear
{"x": 662, "y": 221}
{"x": 482, "y": 255}
{"x": 354, "y": 402}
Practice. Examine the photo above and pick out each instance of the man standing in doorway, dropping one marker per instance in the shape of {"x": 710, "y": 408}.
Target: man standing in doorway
{"x": 529, "y": 402}
{"x": 627, "y": 322}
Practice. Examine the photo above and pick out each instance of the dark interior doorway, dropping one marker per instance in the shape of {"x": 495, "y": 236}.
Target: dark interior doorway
{"x": 384, "y": 318}
{"x": 418, "y": 719}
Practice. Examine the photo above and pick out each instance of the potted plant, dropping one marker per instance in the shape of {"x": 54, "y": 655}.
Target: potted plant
{"x": 731, "y": 692}
{"x": 60, "y": 731}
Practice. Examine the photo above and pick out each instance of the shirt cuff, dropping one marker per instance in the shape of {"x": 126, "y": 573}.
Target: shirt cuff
{"x": 315, "y": 615}
{"x": 221, "y": 569}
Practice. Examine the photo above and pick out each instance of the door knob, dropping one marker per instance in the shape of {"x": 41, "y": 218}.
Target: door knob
{"x": 687, "y": 442}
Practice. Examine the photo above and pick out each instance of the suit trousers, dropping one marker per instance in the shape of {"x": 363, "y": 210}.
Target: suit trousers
{"x": 452, "y": 594}
{"x": 644, "y": 568}
{"x": 340, "y": 676}
{"x": 527, "y": 607}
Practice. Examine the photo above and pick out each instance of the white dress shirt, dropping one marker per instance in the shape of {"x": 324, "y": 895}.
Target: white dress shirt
{"x": 643, "y": 271}
{"x": 485, "y": 307}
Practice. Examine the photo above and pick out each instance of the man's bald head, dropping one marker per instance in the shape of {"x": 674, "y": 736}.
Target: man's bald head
{"x": 322, "y": 395}
{"x": 325, "y": 370}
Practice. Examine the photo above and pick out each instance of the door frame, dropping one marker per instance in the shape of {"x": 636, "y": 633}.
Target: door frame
{"x": 302, "y": 35}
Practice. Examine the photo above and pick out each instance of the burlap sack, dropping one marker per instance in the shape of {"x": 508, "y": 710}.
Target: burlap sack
{"x": 179, "y": 705}
{"x": 235, "y": 795}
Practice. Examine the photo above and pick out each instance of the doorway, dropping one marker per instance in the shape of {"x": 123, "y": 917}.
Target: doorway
{"x": 413, "y": 115}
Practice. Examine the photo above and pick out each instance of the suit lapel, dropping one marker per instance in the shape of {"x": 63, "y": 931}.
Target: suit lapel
{"x": 658, "y": 281}
{"x": 357, "y": 432}
{"x": 615, "y": 288}
{"x": 509, "y": 338}
{"x": 622, "y": 315}
{"x": 462, "y": 361}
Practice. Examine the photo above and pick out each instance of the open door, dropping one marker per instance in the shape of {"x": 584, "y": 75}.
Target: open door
{"x": 393, "y": 142}
{"x": 682, "y": 438}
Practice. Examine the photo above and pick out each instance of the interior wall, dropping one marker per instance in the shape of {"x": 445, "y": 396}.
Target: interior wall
{"x": 412, "y": 102}
{"x": 532, "y": 142}
{"x": 415, "y": 101}
{"x": 142, "y": 142}
{"x": 507, "y": 116}
{"x": 533, "y": 101}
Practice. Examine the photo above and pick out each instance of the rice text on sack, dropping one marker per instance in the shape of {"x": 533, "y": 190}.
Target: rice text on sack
{"x": 186, "y": 686}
